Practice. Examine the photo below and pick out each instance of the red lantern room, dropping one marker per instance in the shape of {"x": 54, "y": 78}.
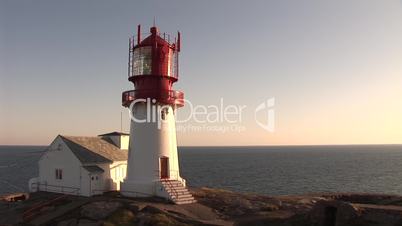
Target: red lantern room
{"x": 153, "y": 68}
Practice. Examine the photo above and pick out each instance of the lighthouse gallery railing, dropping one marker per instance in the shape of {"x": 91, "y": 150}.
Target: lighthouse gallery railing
{"x": 165, "y": 96}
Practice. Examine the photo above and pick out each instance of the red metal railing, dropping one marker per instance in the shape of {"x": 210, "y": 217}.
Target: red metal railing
{"x": 172, "y": 97}
{"x": 33, "y": 211}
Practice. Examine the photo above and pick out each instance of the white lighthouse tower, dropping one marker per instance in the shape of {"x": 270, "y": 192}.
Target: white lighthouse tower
{"x": 153, "y": 164}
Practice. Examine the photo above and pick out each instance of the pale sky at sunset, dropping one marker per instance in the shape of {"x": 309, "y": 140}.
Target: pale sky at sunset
{"x": 333, "y": 67}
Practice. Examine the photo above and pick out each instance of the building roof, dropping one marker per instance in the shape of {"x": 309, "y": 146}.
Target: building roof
{"x": 94, "y": 149}
{"x": 94, "y": 169}
{"x": 114, "y": 134}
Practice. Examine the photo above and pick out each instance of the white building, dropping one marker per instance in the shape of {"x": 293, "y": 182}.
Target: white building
{"x": 83, "y": 166}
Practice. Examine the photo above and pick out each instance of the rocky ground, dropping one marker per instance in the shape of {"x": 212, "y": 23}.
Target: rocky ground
{"x": 214, "y": 207}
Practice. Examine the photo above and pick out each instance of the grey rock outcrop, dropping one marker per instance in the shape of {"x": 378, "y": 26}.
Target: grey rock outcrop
{"x": 99, "y": 210}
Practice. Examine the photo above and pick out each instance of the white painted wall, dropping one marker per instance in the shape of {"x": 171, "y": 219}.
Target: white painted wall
{"x": 59, "y": 156}
{"x": 85, "y": 182}
{"x": 118, "y": 170}
{"x": 147, "y": 144}
{"x": 124, "y": 142}
{"x": 113, "y": 175}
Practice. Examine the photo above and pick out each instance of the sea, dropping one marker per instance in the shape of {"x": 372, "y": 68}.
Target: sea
{"x": 269, "y": 170}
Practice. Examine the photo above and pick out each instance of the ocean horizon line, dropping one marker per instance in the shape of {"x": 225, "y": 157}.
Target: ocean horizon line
{"x": 226, "y": 146}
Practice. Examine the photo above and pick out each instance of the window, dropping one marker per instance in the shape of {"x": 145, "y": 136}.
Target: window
{"x": 59, "y": 174}
{"x": 164, "y": 112}
{"x": 163, "y": 115}
{"x": 142, "y": 61}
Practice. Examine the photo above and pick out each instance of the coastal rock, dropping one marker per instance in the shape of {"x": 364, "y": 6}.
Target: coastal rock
{"x": 85, "y": 222}
{"x": 333, "y": 212}
{"x": 99, "y": 210}
{"x": 120, "y": 217}
{"x": 219, "y": 207}
{"x": 134, "y": 207}
{"x": 159, "y": 220}
{"x": 152, "y": 210}
{"x": 69, "y": 222}
{"x": 47, "y": 208}
{"x": 236, "y": 204}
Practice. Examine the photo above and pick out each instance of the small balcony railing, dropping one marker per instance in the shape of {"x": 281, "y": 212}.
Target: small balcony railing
{"x": 171, "y": 97}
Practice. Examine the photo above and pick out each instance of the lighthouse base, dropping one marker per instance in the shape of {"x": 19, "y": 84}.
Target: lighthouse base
{"x": 149, "y": 189}
{"x": 173, "y": 190}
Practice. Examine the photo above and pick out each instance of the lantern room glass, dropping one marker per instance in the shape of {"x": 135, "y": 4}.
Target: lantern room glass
{"x": 142, "y": 61}
{"x": 172, "y": 63}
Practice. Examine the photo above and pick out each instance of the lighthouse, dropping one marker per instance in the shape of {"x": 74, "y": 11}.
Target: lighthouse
{"x": 153, "y": 164}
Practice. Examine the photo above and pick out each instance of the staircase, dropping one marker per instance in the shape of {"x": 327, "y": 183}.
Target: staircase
{"x": 178, "y": 193}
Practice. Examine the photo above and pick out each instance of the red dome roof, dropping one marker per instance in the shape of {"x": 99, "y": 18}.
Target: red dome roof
{"x": 153, "y": 39}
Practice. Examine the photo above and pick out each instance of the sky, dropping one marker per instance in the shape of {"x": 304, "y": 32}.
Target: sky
{"x": 333, "y": 68}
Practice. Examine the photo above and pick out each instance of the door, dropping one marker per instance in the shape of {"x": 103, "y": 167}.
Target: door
{"x": 96, "y": 184}
{"x": 164, "y": 164}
